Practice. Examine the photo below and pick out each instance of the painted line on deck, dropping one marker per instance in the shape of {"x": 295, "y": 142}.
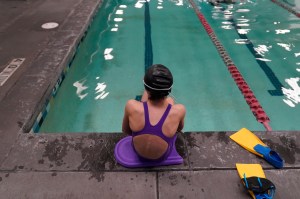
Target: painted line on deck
{"x": 10, "y": 69}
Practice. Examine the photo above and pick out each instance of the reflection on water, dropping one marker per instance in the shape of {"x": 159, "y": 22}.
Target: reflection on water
{"x": 118, "y": 19}
{"x": 243, "y": 31}
{"x": 80, "y": 88}
{"x": 264, "y": 59}
{"x": 100, "y": 90}
{"x": 119, "y": 12}
{"x": 227, "y": 27}
{"x": 82, "y": 92}
{"x": 242, "y": 10}
{"x": 235, "y": 12}
{"x": 286, "y": 46}
{"x": 139, "y": 4}
{"x": 107, "y": 54}
{"x": 282, "y": 31}
{"x": 292, "y": 94}
{"x": 242, "y": 41}
{"x": 270, "y": 38}
{"x": 115, "y": 28}
{"x": 179, "y": 3}
{"x": 262, "y": 49}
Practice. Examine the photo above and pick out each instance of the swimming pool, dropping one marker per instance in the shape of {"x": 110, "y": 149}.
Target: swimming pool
{"x": 126, "y": 37}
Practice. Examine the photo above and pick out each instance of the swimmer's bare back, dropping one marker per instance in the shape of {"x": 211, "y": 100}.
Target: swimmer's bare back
{"x": 152, "y": 146}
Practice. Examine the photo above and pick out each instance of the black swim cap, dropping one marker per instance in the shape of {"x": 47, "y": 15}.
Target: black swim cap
{"x": 158, "y": 80}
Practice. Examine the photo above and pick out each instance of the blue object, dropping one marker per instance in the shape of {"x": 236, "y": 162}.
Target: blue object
{"x": 138, "y": 98}
{"x": 271, "y": 156}
{"x": 264, "y": 196}
{"x": 269, "y": 195}
{"x": 126, "y": 156}
{"x": 246, "y": 182}
{"x": 262, "y": 188}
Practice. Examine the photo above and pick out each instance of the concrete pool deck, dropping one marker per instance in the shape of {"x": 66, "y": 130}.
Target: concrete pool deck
{"x": 82, "y": 165}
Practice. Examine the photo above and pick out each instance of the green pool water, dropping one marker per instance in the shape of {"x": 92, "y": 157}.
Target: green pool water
{"x": 110, "y": 62}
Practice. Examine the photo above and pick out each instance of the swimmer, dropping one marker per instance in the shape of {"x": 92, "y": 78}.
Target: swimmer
{"x": 154, "y": 122}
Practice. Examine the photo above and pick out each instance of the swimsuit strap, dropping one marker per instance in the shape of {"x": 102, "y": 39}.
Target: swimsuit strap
{"x": 163, "y": 118}
{"x": 146, "y": 113}
{"x": 156, "y": 129}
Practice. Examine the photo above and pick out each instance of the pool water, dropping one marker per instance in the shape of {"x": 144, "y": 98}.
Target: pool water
{"x": 127, "y": 36}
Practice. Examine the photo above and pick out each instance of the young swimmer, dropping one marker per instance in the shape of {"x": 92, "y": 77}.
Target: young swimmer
{"x": 154, "y": 121}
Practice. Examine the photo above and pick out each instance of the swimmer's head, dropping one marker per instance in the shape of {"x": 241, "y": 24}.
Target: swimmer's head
{"x": 158, "y": 81}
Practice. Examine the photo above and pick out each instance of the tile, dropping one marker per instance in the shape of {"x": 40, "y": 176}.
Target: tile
{"x": 74, "y": 151}
{"x": 76, "y": 185}
{"x": 223, "y": 184}
{"x": 217, "y": 150}
{"x": 200, "y": 184}
{"x": 64, "y": 152}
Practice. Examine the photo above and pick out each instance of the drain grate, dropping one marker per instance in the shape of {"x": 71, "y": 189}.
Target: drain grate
{"x": 50, "y": 25}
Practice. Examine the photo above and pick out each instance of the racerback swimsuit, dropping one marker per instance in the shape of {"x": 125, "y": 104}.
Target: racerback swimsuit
{"x": 155, "y": 130}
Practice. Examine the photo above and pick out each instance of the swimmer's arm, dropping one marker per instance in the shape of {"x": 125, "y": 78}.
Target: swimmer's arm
{"x": 180, "y": 126}
{"x": 125, "y": 125}
{"x": 182, "y": 112}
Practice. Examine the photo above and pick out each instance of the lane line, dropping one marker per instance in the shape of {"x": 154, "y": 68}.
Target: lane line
{"x": 148, "y": 40}
{"x": 263, "y": 65}
{"x": 249, "y": 96}
{"x": 148, "y": 59}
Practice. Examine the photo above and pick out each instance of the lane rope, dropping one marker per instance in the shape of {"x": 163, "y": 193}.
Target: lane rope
{"x": 286, "y": 7}
{"x": 274, "y": 80}
{"x": 249, "y": 96}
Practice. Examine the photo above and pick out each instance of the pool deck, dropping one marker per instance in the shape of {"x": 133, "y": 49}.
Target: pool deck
{"x": 82, "y": 165}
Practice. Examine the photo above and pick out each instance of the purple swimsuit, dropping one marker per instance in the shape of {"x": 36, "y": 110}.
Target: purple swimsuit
{"x": 156, "y": 130}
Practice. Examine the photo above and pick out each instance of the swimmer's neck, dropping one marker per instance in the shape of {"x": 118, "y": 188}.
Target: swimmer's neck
{"x": 158, "y": 102}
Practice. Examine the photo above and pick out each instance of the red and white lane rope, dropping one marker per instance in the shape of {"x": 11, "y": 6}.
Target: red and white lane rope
{"x": 288, "y": 8}
{"x": 249, "y": 96}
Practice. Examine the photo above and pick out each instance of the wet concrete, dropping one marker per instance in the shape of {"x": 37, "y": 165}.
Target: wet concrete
{"x": 37, "y": 185}
{"x": 221, "y": 184}
{"x": 46, "y": 54}
{"x": 225, "y": 152}
{"x": 208, "y": 170}
{"x": 82, "y": 165}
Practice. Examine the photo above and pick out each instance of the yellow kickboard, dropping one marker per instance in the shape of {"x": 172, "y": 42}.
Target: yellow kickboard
{"x": 247, "y": 139}
{"x": 250, "y": 170}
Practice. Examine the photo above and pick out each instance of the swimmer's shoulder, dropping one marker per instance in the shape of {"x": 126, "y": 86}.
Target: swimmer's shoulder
{"x": 179, "y": 108}
{"x": 133, "y": 105}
